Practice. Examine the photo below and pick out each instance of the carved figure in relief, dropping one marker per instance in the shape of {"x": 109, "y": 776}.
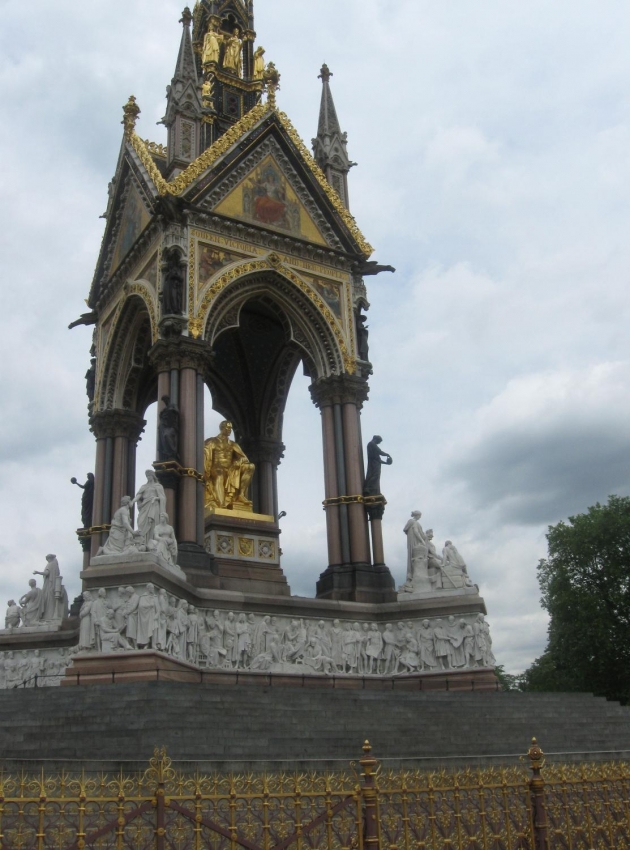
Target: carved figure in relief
{"x": 164, "y": 541}
{"x": 390, "y": 651}
{"x": 362, "y": 654}
{"x": 168, "y": 431}
{"x": 417, "y": 553}
{"x": 161, "y": 634}
{"x": 373, "y": 649}
{"x": 13, "y": 616}
{"x": 409, "y": 657}
{"x": 372, "y": 485}
{"x": 122, "y": 539}
{"x": 211, "y": 46}
{"x": 230, "y": 641}
{"x": 259, "y": 63}
{"x": 426, "y": 643}
{"x": 192, "y": 634}
{"x": 99, "y": 615}
{"x": 469, "y": 643}
{"x": 244, "y": 641}
{"x": 151, "y": 502}
{"x": 336, "y": 640}
{"x": 87, "y": 499}
{"x": 148, "y": 618}
{"x": 484, "y": 642}
{"x": 87, "y": 634}
{"x": 172, "y": 629}
{"x": 228, "y": 472}
{"x": 442, "y": 645}
{"x": 233, "y": 50}
{"x": 118, "y": 608}
{"x": 456, "y": 636}
{"x": 131, "y": 615}
{"x": 31, "y": 604}
{"x": 182, "y": 625}
{"x": 111, "y": 639}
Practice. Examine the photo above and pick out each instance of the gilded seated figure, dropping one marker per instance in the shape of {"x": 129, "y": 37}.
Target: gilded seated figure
{"x": 228, "y": 472}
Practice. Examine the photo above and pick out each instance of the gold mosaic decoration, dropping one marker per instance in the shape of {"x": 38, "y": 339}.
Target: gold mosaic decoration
{"x": 224, "y": 143}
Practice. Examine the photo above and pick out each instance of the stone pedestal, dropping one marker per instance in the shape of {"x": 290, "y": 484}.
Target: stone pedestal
{"x": 246, "y": 551}
{"x": 357, "y": 583}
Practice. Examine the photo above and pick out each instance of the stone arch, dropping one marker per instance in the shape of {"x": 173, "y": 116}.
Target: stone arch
{"x": 128, "y": 382}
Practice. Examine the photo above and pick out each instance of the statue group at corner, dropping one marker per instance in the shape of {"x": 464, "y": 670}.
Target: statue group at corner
{"x": 40, "y": 606}
{"x": 426, "y": 571}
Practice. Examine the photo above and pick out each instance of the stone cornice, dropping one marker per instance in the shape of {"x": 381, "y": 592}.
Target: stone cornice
{"x": 339, "y": 389}
{"x": 181, "y": 353}
{"x": 117, "y": 423}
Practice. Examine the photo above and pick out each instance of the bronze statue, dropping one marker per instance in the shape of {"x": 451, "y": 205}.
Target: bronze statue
{"x": 228, "y": 472}
{"x": 362, "y": 337}
{"x": 168, "y": 432}
{"x": 372, "y": 485}
{"x": 90, "y": 380}
{"x": 173, "y": 283}
{"x": 87, "y": 499}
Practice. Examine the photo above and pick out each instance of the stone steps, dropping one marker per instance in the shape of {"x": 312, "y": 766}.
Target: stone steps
{"x": 252, "y": 724}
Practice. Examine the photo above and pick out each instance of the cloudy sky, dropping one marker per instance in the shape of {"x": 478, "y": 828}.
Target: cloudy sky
{"x": 493, "y": 142}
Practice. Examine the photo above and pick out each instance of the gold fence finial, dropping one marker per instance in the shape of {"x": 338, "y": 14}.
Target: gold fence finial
{"x": 536, "y": 757}
{"x": 271, "y": 80}
{"x": 131, "y": 110}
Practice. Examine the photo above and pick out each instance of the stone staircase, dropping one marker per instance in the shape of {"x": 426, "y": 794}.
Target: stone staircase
{"x": 230, "y": 727}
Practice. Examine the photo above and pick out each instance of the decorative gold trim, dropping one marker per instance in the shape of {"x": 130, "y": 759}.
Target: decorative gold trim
{"x": 155, "y": 148}
{"x": 275, "y": 262}
{"x": 182, "y": 471}
{"x": 342, "y": 500}
{"x": 235, "y": 514}
{"x": 224, "y": 143}
{"x": 192, "y": 276}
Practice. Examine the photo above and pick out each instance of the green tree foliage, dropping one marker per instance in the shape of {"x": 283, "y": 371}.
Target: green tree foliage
{"x": 585, "y": 584}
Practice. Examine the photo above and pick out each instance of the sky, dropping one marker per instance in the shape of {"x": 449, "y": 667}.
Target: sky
{"x": 493, "y": 148}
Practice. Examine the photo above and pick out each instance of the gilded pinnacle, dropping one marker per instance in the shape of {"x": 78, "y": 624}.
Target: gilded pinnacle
{"x": 271, "y": 80}
{"x": 131, "y": 110}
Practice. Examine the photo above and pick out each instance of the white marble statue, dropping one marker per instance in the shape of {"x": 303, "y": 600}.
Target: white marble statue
{"x": 122, "y": 539}
{"x": 417, "y": 556}
{"x": 151, "y": 503}
{"x": 451, "y": 558}
{"x": 31, "y": 604}
{"x": 164, "y": 542}
{"x": 13, "y": 616}
{"x": 51, "y": 589}
{"x": 87, "y": 632}
{"x": 110, "y": 637}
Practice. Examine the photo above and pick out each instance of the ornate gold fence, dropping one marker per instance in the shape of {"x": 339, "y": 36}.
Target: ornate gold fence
{"x": 574, "y": 807}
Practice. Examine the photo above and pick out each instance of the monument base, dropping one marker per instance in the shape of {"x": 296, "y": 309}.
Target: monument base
{"x": 357, "y": 583}
{"x": 152, "y": 666}
{"x": 246, "y": 551}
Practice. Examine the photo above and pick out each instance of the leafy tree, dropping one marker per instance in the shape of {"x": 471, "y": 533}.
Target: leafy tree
{"x": 585, "y": 584}
{"x": 507, "y": 681}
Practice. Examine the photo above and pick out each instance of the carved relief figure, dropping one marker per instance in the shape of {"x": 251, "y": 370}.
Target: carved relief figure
{"x": 426, "y": 640}
{"x": 168, "y": 431}
{"x": 372, "y": 486}
{"x": 151, "y": 502}
{"x": 232, "y": 55}
{"x": 148, "y": 618}
{"x": 111, "y": 639}
{"x": 228, "y": 472}
{"x": 211, "y": 46}
{"x": 131, "y": 615}
{"x": 373, "y": 649}
{"x": 442, "y": 645}
{"x": 87, "y": 635}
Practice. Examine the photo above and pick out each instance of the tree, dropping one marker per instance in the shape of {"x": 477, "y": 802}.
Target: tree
{"x": 585, "y": 584}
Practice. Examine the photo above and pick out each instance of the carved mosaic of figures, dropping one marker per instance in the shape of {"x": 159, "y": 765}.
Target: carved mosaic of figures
{"x": 87, "y": 499}
{"x": 87, "y": 634}
{"x": 30, "y": 604}
{"x": 228, "y": 472}
{"x": 259, "y": 63}
{"x": 233, "y": 50}
{"x": 211, "y": 46}
{"x": 151, "y": 502}
{"x": 168, "y": 431}
{"x": 122, "y": 539}
{"x": 417, "y": 553}
{"x": 13, "y": 617}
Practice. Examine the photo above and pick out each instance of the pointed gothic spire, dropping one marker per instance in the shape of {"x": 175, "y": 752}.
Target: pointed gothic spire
{"x": 183, "y": 103}
{"x": 329, "y": 147}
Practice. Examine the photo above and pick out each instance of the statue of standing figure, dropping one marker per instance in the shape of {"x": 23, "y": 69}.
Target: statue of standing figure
{"x": 211, "y": 47}
{"x": 259, "y": 63}
{"x": 51, "y": 590}
{"x": 87, "y": 499}
{"x": 372, "y": 486}
{"x": 417, "y": 556}
{"x": 233, "y": 50}
{"x": 151, "y": 502}
{"x": 168, "y": 431}
{"x": 31, "y": 604}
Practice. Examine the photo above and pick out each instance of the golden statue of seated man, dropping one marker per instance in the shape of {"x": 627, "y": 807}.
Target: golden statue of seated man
{"x": 228, "y": 472}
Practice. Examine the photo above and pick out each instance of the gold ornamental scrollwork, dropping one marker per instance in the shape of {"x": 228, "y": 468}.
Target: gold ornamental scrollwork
{"x": 224, "y": 143}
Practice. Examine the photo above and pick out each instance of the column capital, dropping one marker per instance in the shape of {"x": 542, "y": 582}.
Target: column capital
{"x": 181, "y": 352}
{"x": 264, "y": 450}
{"x": 117, "y": 423}
{"x": 339, "y": 389}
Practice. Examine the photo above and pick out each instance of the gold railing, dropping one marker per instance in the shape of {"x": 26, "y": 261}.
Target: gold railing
{"x": 573, "y": 807}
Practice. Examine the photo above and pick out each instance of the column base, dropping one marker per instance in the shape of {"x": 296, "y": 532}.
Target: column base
{"x": 199, "y": 565}
{"x": 357, "y": 583}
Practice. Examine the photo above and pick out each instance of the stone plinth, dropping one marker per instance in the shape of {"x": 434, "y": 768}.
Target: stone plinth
{"x": 132, "y": 558}
{"x": 138, "y": 666}
{"x": 246, "y": 550}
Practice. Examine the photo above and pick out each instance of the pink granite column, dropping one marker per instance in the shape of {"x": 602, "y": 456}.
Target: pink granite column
{"x": 378, "y": 551}
{"x": 333, "y": 527}
{"x": 97, "y": 509}
{"x": 359, "y": 548}
{"x": 187, "y": 519}
{"x": 120, "y": 476}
